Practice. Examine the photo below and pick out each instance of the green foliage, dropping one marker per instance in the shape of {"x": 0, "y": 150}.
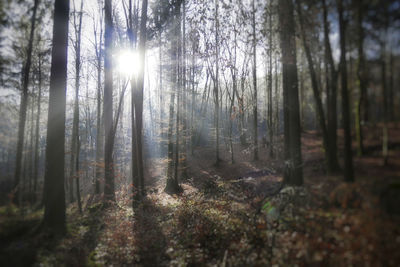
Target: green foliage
{"x": 91, "y": 260}
{"x": 267, "y": 207}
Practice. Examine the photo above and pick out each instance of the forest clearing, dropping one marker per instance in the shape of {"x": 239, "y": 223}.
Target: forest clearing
{"x": 199, "y": 133}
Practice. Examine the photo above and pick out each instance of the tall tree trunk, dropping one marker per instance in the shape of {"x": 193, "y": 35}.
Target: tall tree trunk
{"x": 184, "y": 116}
{"x": 233, "y": 71}
{"x": 276, "y": 98}
{"x": 139, "y": 96}
{"x": 391, "y": 92}
{"x": 54, "y": 194}
{"x": 301, "y": 99}
{"x": 36, "y": 149}
{"x": 74, "y": 163}
{"x": 192, "y": 130}
{"x": 314, "y": 83}
{"x": 216, "y": 85}
{"x": 99, "y": 135}
{"x": 332, "y": 84}
{"x": 293, "y": 170}
{"x": 348, "y": 153}
{"x": 178, "y": 109}
{"x": 270, "y": 110}
{"x": 255, "y": 119}
{"x": 134, "y": 168}
{"x": 132, "y": 29}
{"x": 172, "y": 185}
{"x": 109, "y": 192}
{"x": 385, "y": 139}
{"x": 23, "y": 105}
{"x": 161, "y": 106}
{"x": 31, "y": 142}
{"x": 361, "y": 75}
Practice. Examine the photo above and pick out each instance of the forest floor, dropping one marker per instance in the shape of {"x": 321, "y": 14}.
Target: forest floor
{"x": 231, "y": 215}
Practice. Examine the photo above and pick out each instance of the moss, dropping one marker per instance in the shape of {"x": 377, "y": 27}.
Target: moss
{"x": 13, "y": 225}
{"x": 9, "y": 210}
{"x": 95, "y": 208}
{"x": 91, "y": 260}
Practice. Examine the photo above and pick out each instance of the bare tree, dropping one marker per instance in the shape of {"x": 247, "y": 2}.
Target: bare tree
{"x": 293, "y": 169}
{"x": 348, "y": 153}
{"x": 74, "y": 160}
{"x": 54, "y": 193}
{"x": 23, "y": 105}
{"x": 108, "y": 103}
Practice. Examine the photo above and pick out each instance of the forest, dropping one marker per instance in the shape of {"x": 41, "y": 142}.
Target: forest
{"x": 199, "y": 133}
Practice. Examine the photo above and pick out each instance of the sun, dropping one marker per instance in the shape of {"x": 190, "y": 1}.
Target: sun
{"x": 128, "y": 62}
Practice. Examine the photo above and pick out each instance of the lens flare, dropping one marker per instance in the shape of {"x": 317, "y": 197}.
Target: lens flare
{"x": 128, "y": 62}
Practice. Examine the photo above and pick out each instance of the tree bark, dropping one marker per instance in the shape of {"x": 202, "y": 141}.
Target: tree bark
{"x": 54, "y": 194}
{"x": 23, "y": 106}
{"x": 348, "y": 153}
{"x": 293, "y": 170}
{"x": 36, "y": 149}
{"x": 139, "y": 96}
{"x": 255, "y": 119}
{"x": 109, "y": 192}
{"x": 361, "y": 75}
{"x": 216, "y": 85}
{"x": 270, "y": 110}
{"x": 314, "y": 83}
{"x": 332, "y": 84}
{"x": 172, "y": 185}
{"x": 74, "y": 160}
{"x": 99, "y": 135}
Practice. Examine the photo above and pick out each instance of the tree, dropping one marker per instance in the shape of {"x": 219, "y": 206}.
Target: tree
{"x": 98, "y": 40}
{"x": 74, "y": 160}
{"x": 361, "y": 75}
{"x": 255, "y": 119}
{"x": 348, "y": 153}
{"x": 269, "y": 93}
{"x": 108, "y": 103}
{"x": 138, "y": 98}
{"x": 172, "y": 185}
{"x": 314, "y": 83}
{"x": 36, "y": 148}
{"x": 331, "y": 84}
{"x": 293, "y": 170}
{"x": 216, "y": 85}
{"x": 23, "y": 105}
{"x": 54, "y": 194}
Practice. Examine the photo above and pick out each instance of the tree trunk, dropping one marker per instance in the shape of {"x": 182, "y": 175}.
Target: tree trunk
{"x": 332, "y": 84}
{"x": 385, "y": 100}
{"x": 361, "y": 79}
{"x": 109, "y": 192}
{"x": 255, "y": 119}
{"x": 36, "y": 149}
{"x": 276, "y": 98}
{"x": 348, "y": 153}
{"x": 172, "y": 185}
{"x": 216, "y": 86}
{"x": 30, "y": 154}
{"x": 314, "y": 83}
{"x": 74, "y": 163}
{"x": 184, "y": 116}
{"x": 99, "y": 135}
{"x": 270, "y": 110}
{"x": 139, "y": 97}
{"x": 54, "y": 194}
{"x": 391, "y": 96}
{"x": 293, "y": 170}
{"x": 23, "y": 106}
